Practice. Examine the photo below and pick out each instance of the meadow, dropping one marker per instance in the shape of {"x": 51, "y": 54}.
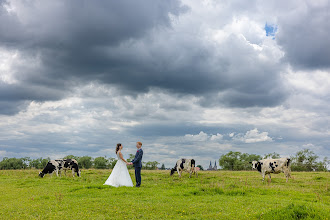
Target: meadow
{"x": 213, "y": 195}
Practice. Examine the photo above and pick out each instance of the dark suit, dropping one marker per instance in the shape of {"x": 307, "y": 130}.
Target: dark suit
{"x": 137, "y": 163}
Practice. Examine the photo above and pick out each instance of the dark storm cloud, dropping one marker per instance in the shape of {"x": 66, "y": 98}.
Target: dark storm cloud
{"x": 13, "y": 92}
{"x": 11, "y": 107}
{"x": 49, "y": 24}
{"x": 132, "y": 45}
{"x": 15, "y": 97}
{"x": 304, "y": 34}
{"x": 67, "y": 38}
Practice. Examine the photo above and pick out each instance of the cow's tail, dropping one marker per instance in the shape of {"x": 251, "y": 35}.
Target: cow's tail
{"x": 288, "y": 162}
{"x": 174, "y": 169}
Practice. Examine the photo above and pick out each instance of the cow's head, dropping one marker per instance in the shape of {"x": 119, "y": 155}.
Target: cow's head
{"x": 172, "y": 172}
{"x": 255, "y": 164}
{"x": 41, "y": 174}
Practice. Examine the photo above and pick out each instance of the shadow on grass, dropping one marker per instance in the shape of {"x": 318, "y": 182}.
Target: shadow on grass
{"x": 294, "y": 211}
{"x": 217, "y": 191}
{"x": 89, "y": 187}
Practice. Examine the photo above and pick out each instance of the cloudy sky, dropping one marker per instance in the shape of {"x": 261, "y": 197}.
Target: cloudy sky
{"x": 188, "y": 78}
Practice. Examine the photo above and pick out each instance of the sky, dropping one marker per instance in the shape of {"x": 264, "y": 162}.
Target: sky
{"x": 189, "y": 79}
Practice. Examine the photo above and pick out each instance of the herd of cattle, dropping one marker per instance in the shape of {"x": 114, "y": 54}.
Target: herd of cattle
{"x": 265, "y": 166}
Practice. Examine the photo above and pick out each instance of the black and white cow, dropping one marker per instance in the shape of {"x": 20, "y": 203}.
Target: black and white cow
{"x": 188, "y": 165}
{"x": 61, "y": 164}
{"x": 69, "y": 164}
{"x": 51, "y": 167}
{"x": 268, "y": 166}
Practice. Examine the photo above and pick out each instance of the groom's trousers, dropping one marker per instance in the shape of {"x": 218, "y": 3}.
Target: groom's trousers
{"x": 138, "y": 176}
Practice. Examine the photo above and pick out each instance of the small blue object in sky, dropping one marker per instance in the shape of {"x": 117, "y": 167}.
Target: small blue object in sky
{"x": 270, "y": 30}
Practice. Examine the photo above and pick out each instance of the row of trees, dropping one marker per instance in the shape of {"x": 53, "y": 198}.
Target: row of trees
{"x": 304, "y": 160}
{"x": 85, "y": 162}
{"x": 22, "y": 163}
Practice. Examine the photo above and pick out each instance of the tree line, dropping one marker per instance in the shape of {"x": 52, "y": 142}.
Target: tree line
{"x": 304, "y": 160}
{"x": 85, "y": 162}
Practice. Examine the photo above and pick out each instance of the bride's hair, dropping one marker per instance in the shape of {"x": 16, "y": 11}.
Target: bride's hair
{"x": 117, "y": 148}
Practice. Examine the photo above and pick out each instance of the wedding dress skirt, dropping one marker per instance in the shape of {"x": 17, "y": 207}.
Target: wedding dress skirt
{"x": 119, "y": 175}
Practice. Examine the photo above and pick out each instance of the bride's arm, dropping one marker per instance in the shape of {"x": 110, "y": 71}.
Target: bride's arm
{"x": 121, "y": 157}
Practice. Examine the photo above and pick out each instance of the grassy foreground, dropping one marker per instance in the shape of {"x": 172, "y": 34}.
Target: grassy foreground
{"x": 213, "y": 195}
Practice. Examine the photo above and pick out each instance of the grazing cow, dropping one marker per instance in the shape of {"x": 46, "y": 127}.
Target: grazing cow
{"x": 268, "y": 166}
{"x": 51, "y": 167}
{"x": 61, "y": 164}
{"x": 68, "y": 164}
{"x": 187, "y": 165}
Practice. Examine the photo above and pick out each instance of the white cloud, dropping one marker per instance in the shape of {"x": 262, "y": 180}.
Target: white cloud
{"x": 197, "y": 137}
{"x": 253, "y": 136}
{"x": 202, "y": 136}
{"x": 216, "y": 137}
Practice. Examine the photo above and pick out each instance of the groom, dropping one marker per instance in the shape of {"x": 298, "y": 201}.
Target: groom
{"x": 137, "y": 163}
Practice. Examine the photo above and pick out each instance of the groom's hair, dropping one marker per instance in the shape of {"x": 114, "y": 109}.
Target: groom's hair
{"x": 139, "y": 143}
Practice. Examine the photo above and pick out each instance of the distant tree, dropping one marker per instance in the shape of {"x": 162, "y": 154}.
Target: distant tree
{"x": 39, "y": 163}
{"x": 200, "y": 167}
{"x": 323, "y": 165}
{"x": 71, "y": 157}
{"x": 26, "y": 162}
{"x": 131, "y": 157}
{"x": 150, "y": 165}
{"x": 247, "y": 158}
{"x": 163, "y": 167}
{"x": 12, "y": 163}
{"x": 35, "y": 163}
{"x": 44, "y": 162}
{"x": 85, "y": 162}
{"x": 229, "y": 161}
{"x": 273, "y": 155}
{"x": 100, "y": 163}
{"x": 237, "y": 160}
{"x": 154, "y": 165}
{"x": 306, "y": 160}
{"x": 112, "y": 162}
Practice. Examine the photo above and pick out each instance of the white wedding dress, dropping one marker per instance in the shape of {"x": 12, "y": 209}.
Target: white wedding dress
{"x": 119, "y": 175}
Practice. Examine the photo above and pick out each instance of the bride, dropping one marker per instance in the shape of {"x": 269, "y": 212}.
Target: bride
{"x": 119, "y": 175}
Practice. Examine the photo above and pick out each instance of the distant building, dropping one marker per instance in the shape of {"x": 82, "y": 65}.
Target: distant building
{"x": 213, "y": 168}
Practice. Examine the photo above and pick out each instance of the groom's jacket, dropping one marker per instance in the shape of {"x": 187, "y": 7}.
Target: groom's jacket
{"x": 137, "y": 161}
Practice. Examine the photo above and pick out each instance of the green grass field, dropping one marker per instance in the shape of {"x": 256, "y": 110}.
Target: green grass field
{"x": 213, "y": 195}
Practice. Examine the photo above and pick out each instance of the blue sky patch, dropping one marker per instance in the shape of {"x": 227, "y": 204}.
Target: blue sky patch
{"x": 270, "y": 30}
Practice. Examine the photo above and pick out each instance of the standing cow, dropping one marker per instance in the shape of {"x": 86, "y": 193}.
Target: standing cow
{"x": 56, "y": 166}
{"x": 268, "y": 166}
{"x": 187, "y": 165}
{"x": 68, "y": 164}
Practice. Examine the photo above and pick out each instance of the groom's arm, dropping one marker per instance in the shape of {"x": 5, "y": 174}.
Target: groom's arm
{"x": 138, "y": 157}
{"x": 133, "y": 161}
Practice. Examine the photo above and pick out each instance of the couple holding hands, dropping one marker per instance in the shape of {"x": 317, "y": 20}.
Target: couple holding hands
{"x": 120, "y": 175}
